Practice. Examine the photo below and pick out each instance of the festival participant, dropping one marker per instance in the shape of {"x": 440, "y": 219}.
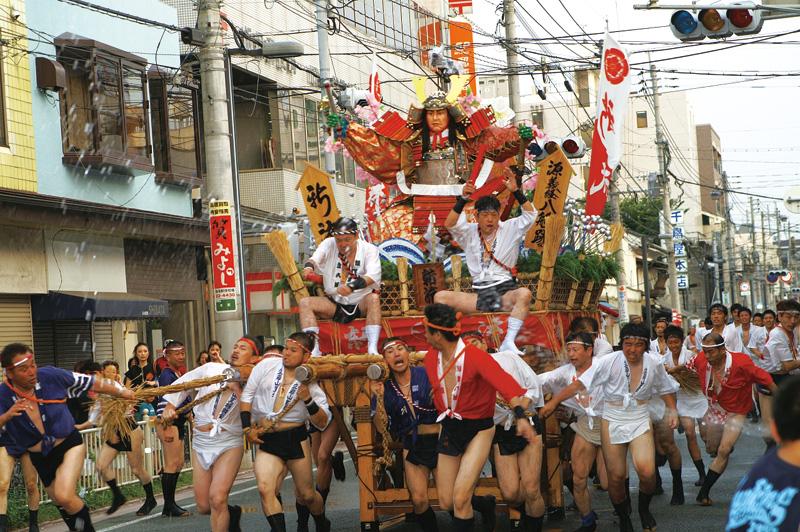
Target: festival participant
{"x": 273, "y": 351}
{"x": 588, "y": 324}
{"x": 274, "y": 410}
{"x": 752, "y": 338}
{"x": 172, "y": 436}
{"x": 758, "y": 319}
{"x": 579, "y": 348}
{"x": 217, "y": 445}
{"x": 727, "y": 380}
{"x": 692, "y": 403}
{"x": 465, "y": 382}
{"x": 408, "y": 402}
{"x": 658, "y": 345}
{"x": 769, "y": 319}
{"x": 702, "y": 329}
{"x": 518, "y": 462}
{"x": 627, "y": 380}
{"x": 133, "y": 447}
{"x": 688, "y": 342}
{"x": 9, "y": 455}
{"x": 492, "y": 248}
{"x": 351, "y": 274}
{"x": 718, "y": 314}
{"x": 735, "y": 308}
{"x": 768, "y": 497}
{"x": 30, "y": 395}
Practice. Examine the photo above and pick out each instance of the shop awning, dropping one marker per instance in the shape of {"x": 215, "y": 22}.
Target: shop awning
{"x": 92, "y": 306}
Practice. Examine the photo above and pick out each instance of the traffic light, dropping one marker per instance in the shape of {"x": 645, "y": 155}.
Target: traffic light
{"x": 572, "y": 146}
{"x": 773, "y": 276}
{"x": 715, "y": 23}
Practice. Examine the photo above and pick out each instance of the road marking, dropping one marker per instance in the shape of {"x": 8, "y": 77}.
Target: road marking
{"x": 192, "y": 505}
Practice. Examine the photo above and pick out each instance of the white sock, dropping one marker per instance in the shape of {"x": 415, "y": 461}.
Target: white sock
{"x": 509, "y": 342}
{"x": 373, "y": 333}
{"x": 314, "y": 331}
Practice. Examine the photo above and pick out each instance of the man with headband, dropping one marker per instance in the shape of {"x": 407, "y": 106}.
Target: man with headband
{"x": 587, "y": 407}
{"x": 351, "y": 275}
{"x": 35, "y": 418}
{"x": 275, "y": 408}
{"x": 517, "y": 461}
{"x": 408, "y": 402}
{"x": 727, "y": 381}
{"x": 627, "y": 380}
{"x": 492, "y": 248}
{"x": 465, "y": 382}
{"x": 172, "y": 436}
{"x": 718, "y": 314}
{"x": 217, "y": 444}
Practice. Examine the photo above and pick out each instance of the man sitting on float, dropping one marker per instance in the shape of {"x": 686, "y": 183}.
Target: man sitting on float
{"x": 492, "y": 248}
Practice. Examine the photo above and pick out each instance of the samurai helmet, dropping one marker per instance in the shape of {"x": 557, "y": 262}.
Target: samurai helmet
{"x": 437, "y": 100}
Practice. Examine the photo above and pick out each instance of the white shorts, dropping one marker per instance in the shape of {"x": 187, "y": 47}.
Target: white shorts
{"x": 207, "y": 448}
{"x": 626, "y": 424}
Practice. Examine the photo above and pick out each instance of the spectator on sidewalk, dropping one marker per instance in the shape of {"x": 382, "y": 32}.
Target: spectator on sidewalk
{"x": 768, "y": 497}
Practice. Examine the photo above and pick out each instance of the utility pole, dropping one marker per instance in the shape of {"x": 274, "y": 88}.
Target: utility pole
{"x": 731, "y": 257}
{"x": 321, "y": 16}
{"x": 217, "y": 141}
{"x": 512, "y": 59}
{"x": 753, "y": 255}
{"x": 620, "y": 254}
{"x": 675, "y": 301}
{"x": 764, "y": 261}
{"x": 648, "y": 313}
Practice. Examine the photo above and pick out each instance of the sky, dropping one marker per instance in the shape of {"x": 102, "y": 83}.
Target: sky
{"x": 758, "y": 121}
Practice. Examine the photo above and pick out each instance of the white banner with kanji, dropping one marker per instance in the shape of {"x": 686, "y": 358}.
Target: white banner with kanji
{"x": 612, "y": 103}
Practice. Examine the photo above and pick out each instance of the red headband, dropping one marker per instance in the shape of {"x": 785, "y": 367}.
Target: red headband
{"x": 455, "y": 329}
{"x": 251, "y": 343}
{"x": 304, "y": 348}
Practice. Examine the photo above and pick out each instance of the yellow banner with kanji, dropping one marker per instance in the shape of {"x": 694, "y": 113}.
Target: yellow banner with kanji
{"x": 315, "y": 187}
{"x": 550, "y": 194}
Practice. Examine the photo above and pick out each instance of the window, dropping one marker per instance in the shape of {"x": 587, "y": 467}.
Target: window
{"x": 103, "y": 106}
{"x": 641, "y": 119}
{"x": 176, "y": 136}
{"x": 3, "y": 130}
{"x": 537, "y": 117}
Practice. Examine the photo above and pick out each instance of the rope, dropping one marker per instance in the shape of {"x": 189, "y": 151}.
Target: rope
{"x": 268, "y": 425}
{"x": 382, "y": 424}
{"x": 190, "y": 405}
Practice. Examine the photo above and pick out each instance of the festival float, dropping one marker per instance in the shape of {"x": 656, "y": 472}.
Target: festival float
{"x": 415, "y": 172}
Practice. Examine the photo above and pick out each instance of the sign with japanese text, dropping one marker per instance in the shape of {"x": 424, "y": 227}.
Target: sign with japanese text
{"x": 683, "y": 281}
{"x": 315, "y": 187}
{"x": 612, "y": 103}
{"x": 550, "y": 194}
{"x": 679, "y": 249}
{"x": 226, "y": 293}
{"x": 461, "y": 49}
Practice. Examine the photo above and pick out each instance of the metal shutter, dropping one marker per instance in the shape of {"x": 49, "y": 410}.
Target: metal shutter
{"x": 103, "y": 343}
{"x": 15, "y": 320}
{"x": 63, "y": 343}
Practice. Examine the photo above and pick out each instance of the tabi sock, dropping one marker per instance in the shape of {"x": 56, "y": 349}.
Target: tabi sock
{"x": 509, "y": 342}
{"x": 532, "y": 524}
{"x": 677, "y": 487}
{"x": 277, "y": 522}
{"x": 314, "y": 331}
{"x": 373, "y": 333}
{"x": 427, "y": 520}
{"x": 711, "y": 478}
{"x": 83, "y": 521}
{"x": 464, "y": 525}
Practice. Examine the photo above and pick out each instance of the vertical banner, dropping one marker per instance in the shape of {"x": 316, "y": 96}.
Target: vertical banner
{"x": 462, "y": 49}
{"x": 612, "y": 103}
{"x": 550, "y": 194}
{"x": 315, "y": 187}
{"x": 374, "y": 80}
{"x": 226, "y": 293}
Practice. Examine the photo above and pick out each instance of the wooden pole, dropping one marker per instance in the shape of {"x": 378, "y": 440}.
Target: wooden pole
{"x": 402, "y": 276}
{"x": 553, "y": 229}
{"x": 455, "y": 265}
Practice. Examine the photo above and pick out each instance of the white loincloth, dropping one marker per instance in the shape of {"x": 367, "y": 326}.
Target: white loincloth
{"x": 588, "y": 428}
{"x": 626, "y": 424}
{"x": 208, "y": 448}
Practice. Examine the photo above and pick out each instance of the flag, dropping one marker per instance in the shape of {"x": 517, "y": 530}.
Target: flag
{"x": 374, "y": 81}
{"x": 612, "y": 103}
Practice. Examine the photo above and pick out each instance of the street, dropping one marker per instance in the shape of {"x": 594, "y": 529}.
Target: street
{"x": 343, "y": 502}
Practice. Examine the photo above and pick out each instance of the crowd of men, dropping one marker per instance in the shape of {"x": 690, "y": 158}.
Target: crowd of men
{"x": 469, "y": 403}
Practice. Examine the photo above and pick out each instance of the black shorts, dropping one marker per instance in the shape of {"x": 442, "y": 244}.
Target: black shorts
{"x": 490, "y": 299}
{"x": 46, "y": 466}
{"x": 508, "y": 441}
{"x": 124, "y": 443}
{"x": 423, "y": 451}
{"x": 345, "y": 313}
{"x": 456, "y": 434}
{"x": 286, "y": 445}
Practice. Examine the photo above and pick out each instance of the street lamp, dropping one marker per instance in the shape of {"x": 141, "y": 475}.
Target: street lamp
{"x": 268, "y": 50}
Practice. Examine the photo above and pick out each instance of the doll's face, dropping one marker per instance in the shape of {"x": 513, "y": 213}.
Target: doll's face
{"x": 437, "y": 120}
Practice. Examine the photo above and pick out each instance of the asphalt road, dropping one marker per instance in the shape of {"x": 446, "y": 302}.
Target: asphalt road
{"x": 343, "y": 503}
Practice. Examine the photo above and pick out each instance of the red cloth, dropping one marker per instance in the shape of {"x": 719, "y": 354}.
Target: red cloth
{"x": 482, "y": 380}
{"x": 736, "y": 395}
